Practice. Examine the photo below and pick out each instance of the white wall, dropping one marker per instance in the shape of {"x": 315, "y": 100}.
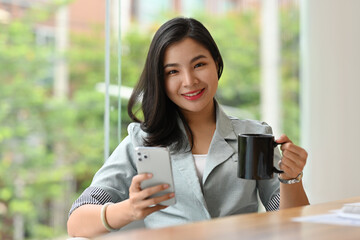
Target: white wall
{"x": 331, "y": 98}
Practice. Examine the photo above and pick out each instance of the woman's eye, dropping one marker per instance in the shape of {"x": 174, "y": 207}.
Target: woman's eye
{"x": 172, "y": 72}
{"x": 199, "y": 65}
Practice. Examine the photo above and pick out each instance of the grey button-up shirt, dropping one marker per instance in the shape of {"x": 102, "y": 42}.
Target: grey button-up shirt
{"x": 222, "y": 192}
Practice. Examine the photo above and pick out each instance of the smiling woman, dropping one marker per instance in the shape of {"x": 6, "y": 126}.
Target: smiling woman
{"x": 177, "y": 90}
{"x": 39, "y": 132}
{"x": 172, "y": 58}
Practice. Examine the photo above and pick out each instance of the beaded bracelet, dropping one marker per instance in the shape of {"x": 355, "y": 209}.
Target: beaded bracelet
{"x": 103, "y": 217}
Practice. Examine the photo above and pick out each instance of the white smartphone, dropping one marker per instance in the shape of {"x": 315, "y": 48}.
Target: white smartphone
{"x": 156, "y": 160}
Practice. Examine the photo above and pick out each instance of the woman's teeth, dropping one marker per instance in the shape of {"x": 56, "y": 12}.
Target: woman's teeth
{"x": 192, "y": 94}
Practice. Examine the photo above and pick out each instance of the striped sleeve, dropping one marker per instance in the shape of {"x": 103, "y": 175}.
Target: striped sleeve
{"x": 273, "y": 204}
{"x": 91, "y": 195}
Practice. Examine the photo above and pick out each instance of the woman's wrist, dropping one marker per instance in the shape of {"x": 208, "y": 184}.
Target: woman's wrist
{"x": 290, "y": 180}
{"x": 103, "y": 216}
{"x": 118, "y": 215}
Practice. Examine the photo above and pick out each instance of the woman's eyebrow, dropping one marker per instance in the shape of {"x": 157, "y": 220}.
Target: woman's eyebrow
{"x": 197, "y": 58}
{"x": 192, "y": 60}
{"x": 171, "y": 65}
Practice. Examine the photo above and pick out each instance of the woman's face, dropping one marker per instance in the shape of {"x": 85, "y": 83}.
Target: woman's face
{"x": 191, "y": 78}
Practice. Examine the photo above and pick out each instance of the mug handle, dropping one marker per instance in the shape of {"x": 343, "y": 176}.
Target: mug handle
{"x": 275, "y": 170}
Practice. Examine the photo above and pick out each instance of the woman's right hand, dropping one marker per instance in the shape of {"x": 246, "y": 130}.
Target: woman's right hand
{"x": 141, "y": 204}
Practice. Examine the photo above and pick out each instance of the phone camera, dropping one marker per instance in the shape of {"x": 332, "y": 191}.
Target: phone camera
{"x": 145, "y": 156}
{"x": 139, "y": 159}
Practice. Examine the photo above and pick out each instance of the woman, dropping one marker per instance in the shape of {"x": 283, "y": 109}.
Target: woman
{"x": 177, "y": 87}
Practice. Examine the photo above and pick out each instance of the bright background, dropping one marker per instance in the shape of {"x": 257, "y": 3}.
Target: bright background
{"x": 292, "y": 64}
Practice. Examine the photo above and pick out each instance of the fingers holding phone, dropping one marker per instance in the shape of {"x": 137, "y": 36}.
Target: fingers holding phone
{"x": 141, "y": 202}
{"x": 156, "y": 161}
{"x": 153, "y": 188}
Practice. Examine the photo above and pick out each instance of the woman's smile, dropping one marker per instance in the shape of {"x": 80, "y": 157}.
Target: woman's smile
{"x": 194, "y": 94}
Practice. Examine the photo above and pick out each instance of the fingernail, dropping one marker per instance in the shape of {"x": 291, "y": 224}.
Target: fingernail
{"x": 165, "y": 185}
{"x": 149, "y": 175}
{"x": 171, "y": 195}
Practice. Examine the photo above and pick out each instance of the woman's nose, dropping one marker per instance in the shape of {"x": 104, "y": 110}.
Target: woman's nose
{"x": 189, "y": 79}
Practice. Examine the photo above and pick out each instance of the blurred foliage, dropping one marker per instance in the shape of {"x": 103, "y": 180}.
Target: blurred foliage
{"x": 237, "y": 36}
{"x": 23, "y": 113}
{"x": 48, "y": 145}
{"x": 290, "y": 71}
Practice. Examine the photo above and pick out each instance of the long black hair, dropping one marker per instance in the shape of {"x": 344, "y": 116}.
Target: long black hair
{"x": 159, "y": 112}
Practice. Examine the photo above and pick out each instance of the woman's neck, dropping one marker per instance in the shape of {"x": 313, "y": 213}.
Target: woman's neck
{"x": 205, "y": 117}
{"x": 202, "y": 125}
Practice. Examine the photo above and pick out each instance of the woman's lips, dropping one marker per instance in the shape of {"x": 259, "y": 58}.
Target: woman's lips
{"x": 194, "y": 94}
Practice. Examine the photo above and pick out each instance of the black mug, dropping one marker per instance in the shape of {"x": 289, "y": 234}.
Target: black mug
{"x": 256, "y": 156}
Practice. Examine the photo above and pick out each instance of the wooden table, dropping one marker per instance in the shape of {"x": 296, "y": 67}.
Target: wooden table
{"x": 269, "y": 225}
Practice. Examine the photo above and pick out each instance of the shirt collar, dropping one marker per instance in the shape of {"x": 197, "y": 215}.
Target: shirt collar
{"x": 224, "y": 126}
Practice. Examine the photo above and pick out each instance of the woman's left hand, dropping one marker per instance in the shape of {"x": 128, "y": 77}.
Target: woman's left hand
{"x": 293, "y": 158}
